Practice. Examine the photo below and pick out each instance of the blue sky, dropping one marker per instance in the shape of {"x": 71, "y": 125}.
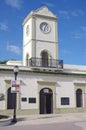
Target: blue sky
{"x": 71, "y": 28}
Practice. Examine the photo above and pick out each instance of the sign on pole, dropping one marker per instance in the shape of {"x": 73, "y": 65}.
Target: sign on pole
{"x": 15, "y": 86}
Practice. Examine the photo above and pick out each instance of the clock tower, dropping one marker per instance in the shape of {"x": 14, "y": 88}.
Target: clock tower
{"x": 40, "y": 38}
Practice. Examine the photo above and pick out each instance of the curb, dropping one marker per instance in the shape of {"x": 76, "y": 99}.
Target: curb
{"x": 5, "y": 122}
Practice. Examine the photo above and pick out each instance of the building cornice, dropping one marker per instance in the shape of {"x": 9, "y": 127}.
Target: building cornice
{"x": 58, "y": 72}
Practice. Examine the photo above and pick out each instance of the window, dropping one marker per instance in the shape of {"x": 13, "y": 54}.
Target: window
{"x": 24, "y": 99}
{"x": 32, "y": 100}
{"x": 65, "y": 101}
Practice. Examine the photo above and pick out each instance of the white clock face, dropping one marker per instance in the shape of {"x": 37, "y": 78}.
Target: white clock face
{"x": 45, "y": 27}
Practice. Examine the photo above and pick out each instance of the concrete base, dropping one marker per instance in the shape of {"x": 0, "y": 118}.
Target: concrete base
{"x": 36, "y": 111}
{"x": 5, "y": 121}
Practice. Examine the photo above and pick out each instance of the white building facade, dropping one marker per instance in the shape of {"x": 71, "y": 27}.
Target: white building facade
{"x": 46, "y": 84}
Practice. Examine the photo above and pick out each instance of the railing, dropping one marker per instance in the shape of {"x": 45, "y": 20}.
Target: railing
{"x": 47, "y": 63}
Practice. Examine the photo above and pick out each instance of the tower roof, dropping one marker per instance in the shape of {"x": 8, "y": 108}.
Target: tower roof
{"x": 41, "y": 12}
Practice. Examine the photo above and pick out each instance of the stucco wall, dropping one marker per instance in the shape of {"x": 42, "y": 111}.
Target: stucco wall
{"x": 62, "y": 86}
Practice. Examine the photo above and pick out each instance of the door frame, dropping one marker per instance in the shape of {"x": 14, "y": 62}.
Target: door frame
{"x": 46, "y": 101}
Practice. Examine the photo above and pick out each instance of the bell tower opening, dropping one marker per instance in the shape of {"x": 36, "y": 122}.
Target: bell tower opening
{"x": 44, "y": 58}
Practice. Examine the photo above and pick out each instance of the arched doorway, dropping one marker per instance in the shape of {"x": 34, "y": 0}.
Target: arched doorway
{"x": 44, "y": 58}
{"x": 79, "y": 98}
{"x": 46, "y": 101}
{"x": 10, "y": 101}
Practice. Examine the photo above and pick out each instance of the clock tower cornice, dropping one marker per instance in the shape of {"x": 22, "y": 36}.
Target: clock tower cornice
{"x": 41, "y": 13}
{"x": 39, "y": 16}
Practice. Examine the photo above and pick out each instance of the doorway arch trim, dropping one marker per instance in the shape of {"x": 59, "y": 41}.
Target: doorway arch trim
{"x": 50, "y": 85}
{"x": 82, "y": 87}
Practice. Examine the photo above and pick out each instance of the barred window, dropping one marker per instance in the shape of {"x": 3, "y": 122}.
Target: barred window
{"x": 32, "y": 100}
{"x": 65, "y": 101}
{"x": 23, "y": 99}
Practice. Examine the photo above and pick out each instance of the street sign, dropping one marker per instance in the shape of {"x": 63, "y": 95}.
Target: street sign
{"x": 15, "y": 86}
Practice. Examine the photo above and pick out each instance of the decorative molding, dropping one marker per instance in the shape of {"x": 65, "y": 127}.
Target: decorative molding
{"x": 80, "y": 83}
{"x": 46, "y": 83}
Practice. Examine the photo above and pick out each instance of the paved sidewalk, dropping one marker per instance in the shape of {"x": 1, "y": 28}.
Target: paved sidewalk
{"x": 50, "y": 118}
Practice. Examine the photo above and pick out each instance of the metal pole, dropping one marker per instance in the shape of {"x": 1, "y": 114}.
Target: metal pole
{"x": 14, "y": 100}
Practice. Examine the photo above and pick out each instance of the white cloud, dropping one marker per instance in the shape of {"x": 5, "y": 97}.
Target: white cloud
{"x": 64, "y": 14}
{"x": 66, "y": 51}
{"x": 3, "y": 27}
{"x": 14, "y": 3}
{"x": 48, "y": 4}
{"x": 77, "y": 35}
{"x": 14, "y": 49}
{"x": 83, "y": 28}
{"x": 78, "y": 13}
{"x": 81, "y": 33}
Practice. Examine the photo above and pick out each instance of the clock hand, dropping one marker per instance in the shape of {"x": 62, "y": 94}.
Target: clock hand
{"x": 44, "y": 27}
